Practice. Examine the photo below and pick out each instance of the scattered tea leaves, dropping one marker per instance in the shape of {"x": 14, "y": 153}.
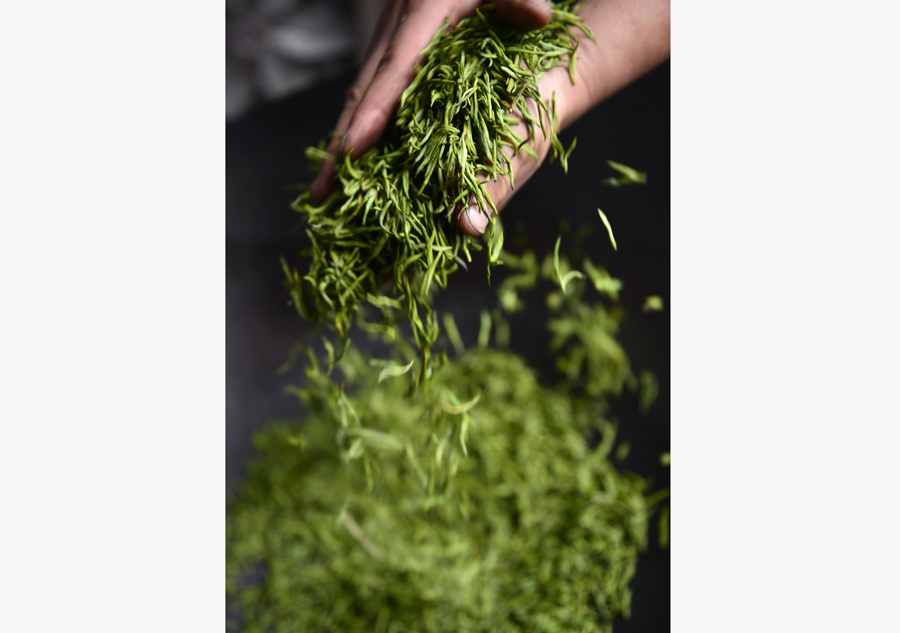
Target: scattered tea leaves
{"x": 495, "y": 513}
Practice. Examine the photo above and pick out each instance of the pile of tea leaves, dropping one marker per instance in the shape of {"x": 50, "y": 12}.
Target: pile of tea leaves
{"x": 389, "y": 220}
{"x": 480, "y": 500}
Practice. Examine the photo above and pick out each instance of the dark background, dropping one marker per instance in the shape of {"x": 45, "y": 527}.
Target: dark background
{"x": 264, "y": 155}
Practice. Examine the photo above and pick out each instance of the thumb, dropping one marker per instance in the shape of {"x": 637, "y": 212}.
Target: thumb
{"x": 472, "y": 220}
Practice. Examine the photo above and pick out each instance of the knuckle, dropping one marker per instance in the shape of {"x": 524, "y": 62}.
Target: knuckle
{"x": 354, "y": 94}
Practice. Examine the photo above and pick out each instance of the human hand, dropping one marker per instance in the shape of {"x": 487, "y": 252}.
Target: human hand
{"x": 404, "y": 29}
{"x": 632, "y": 37}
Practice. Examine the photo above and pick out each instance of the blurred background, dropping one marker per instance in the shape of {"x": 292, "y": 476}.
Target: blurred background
{"x": 276, "y": 47}
{"x": 289, "y": 64}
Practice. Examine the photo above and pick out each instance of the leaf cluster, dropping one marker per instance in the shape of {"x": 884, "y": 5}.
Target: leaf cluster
{"x": 389, "y": 221}
{"x": 473, "y": 504}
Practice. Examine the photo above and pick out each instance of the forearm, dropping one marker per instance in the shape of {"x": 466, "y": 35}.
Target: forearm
{"x": 632, "y": 38}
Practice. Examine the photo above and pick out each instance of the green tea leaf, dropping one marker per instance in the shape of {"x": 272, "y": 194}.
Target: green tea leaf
{"x": 612, "y": 239}
{"x": 453, "y": 333}
{"x": 629, "y": 175}
{"x": 392, "y": 371}
{"x": 456, "y": 407}
{"x": 653, "y": 304}
{"x": 484, "y": 330}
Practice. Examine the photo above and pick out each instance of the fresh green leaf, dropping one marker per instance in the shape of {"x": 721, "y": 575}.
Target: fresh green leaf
{"x": 392, "y": 371}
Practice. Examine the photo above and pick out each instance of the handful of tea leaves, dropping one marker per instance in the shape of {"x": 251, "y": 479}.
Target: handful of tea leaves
{"x": 390, "y": 217}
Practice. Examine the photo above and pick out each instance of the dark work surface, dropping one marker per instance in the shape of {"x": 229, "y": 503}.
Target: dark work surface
{"x": 265, "y": 155}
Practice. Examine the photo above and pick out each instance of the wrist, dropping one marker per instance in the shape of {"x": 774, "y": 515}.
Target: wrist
{"x": 631, "y": 38}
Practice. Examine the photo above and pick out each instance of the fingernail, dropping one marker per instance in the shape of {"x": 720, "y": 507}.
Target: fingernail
{"x": 341, "y": 147}
{"x": 477, "y": 219}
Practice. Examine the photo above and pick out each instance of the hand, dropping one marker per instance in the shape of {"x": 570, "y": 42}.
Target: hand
{"x": 632, "y": 37}
{"x": 404, "y": 29}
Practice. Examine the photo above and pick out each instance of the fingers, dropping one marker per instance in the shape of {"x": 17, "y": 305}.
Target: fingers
{"x": 527, "y": 14}
{"x": 472, "y": 220}
{"x": 396, "y": 69}
{"x": 404, "y": 29}
{"x": 387, "y": 23}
